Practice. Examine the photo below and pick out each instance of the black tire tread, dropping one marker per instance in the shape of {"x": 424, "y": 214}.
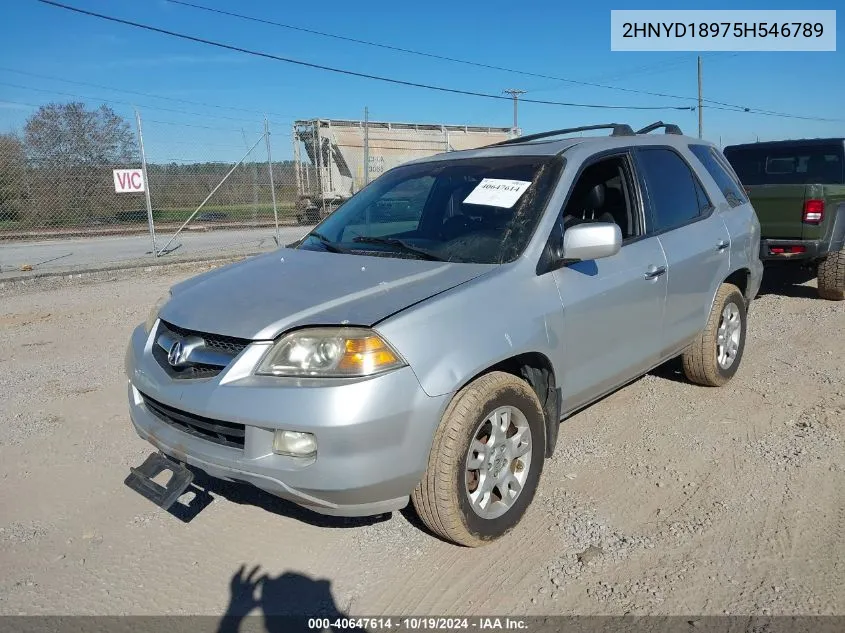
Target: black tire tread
{"x": 699, "y": 360}
{"x": 832, "y": 276}
{"x": 435, "y": 496}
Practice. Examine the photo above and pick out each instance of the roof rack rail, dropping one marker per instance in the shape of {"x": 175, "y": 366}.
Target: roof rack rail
{"x": 619, "y": 129}
{"x": 671, "y": 128}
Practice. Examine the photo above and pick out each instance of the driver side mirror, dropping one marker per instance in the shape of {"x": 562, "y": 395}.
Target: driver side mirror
{"x": 594, "y": 240}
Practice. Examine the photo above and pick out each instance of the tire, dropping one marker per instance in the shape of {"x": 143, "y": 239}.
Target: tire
{"x": 704, "y": 363}
{"x": 312, "y": 215}
{"x": 832, "y": 276}
{"x": 443, "y": 498}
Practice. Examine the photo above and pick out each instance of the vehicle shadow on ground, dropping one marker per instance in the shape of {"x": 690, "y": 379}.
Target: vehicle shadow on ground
{"x": 286, "y": 603}
{"x": 672, "y": 369}
{"x": 787, "y": 281}
{"x": 245, "y": 494}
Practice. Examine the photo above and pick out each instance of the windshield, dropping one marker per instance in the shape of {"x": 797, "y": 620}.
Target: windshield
{"x": 481, "y": 210}
{"x": 791, "y": 165}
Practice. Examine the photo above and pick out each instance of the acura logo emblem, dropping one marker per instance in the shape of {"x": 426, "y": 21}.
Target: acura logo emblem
{"x": 174, "y": 355}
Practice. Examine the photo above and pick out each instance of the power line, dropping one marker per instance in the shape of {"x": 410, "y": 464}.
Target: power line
{"x": 140, "y": 94}
{"x": 646, "y": 69}
{"x": 351, "y": 73}
{"x": 483, "y": 65}
{"x": 127, "y": 103}
{"x": 192, "y": 125}
{"x": 777, "y": 114}
{"x": 414, "y": 52}
{"x": 31, "y": 105}
{"x": 215, "y": 128}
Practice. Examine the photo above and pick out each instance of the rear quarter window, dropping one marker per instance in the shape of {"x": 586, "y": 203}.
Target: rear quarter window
{"x": 727, "y": 183}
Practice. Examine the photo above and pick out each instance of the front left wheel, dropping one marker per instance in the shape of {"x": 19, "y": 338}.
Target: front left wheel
{"x": 485, "y": 461}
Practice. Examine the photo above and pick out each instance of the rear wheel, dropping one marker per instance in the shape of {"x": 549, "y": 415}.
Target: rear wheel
{"x": 832, "y": 276}
{"x": 485, "y": 461}
{"x": 714, "y": 357}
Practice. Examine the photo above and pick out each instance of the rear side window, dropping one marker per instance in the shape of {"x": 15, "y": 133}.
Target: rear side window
{"x": 675, "y": 194}
{"x": 788, "y": 165}
{"x": 729, "y": 187}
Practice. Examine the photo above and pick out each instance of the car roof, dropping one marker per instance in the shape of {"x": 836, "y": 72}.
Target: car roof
{"x": 787, "y": 143}
{"x": 555, "y": 146}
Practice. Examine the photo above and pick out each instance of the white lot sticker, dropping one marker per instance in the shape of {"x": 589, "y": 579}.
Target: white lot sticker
{"x": 495, "y": 192}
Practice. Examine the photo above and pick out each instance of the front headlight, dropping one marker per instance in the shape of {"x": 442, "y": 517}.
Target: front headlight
{"x": 151, "y": 318}
{"x": 330, "y": 352}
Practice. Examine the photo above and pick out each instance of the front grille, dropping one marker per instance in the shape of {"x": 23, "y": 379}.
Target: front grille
{"x": 184, "y": 373}
{"x": 217, "y": 431}
{"x": 227, "y": 344}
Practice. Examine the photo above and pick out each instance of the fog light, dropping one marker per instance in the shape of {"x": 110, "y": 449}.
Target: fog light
{"x": 294, "y": 443}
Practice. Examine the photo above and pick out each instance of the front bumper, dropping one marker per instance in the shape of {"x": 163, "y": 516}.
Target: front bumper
{"x": 373, "y": 435}
{"x": 813, "y": 249}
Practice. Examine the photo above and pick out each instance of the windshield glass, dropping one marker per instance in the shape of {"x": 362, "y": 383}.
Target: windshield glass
{"x": 481, "y": 210}
{"x": 792, "y": 165}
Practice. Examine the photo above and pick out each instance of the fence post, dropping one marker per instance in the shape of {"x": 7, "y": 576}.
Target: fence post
{"x": 150, "y": 220}
{"x": 272, "y": 187}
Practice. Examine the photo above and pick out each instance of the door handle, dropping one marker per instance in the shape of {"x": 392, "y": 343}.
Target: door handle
{"x": 654, "y": 272}
{"x": 722, "y": 245}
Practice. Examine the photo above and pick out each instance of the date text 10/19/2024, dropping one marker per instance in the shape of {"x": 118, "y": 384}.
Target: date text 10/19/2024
{"x": 418, "y": 624}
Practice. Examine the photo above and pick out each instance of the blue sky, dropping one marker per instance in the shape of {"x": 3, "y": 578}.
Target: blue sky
{"x": 569, "y": 40}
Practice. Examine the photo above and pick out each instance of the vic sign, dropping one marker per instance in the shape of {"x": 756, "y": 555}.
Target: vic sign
{"x": 129, "y": 180}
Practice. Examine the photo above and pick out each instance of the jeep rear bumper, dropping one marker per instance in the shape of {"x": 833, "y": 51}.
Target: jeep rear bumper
{"x": 782, "y": 250}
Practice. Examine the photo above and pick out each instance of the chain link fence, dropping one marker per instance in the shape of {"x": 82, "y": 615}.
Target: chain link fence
{"x": 86, "y": 189}
{"x": 182, "y": 196}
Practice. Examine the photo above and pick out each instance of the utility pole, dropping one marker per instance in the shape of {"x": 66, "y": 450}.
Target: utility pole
{"x": 514, "y": 93}
{"x": 700, "y": 100}
{"x": 366, "y": 145}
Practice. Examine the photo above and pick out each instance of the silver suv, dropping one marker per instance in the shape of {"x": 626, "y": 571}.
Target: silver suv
{"x": 425, "y": 340}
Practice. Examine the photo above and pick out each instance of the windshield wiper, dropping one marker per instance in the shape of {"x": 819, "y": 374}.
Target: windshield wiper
{"x": 402, "y": 244}
{"x": 330, "y": 246}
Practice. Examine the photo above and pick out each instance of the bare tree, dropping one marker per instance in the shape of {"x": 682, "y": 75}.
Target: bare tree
{"x": 73, "y": 150}
{"x": 68, "y": 134}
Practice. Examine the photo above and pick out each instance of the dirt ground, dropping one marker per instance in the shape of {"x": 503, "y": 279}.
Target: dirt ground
{"x": 664, "y": 498}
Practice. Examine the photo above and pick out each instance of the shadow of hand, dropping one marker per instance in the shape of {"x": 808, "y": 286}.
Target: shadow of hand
{"x": 243, "y": 592}
{"x": 288, "y": 603}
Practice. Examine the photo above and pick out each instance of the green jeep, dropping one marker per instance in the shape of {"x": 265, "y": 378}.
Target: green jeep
{"x": 797, "y": 189}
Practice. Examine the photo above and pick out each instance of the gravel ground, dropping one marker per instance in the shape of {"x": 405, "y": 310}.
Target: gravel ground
{"x": 663, "y": 498}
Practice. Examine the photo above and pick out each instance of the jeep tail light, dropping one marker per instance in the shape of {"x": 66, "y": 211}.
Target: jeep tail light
{"x": 787, "y": 250}
{"x": 813, "y": 211}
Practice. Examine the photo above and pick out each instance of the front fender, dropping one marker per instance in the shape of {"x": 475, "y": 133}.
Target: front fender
{"x": 457, "y": 335}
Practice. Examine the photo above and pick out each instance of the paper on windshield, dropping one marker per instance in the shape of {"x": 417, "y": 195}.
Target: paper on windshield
{"x": 496, "y": 192}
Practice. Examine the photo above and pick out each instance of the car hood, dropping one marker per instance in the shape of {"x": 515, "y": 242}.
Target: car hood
{"x": 262, "y": 297}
